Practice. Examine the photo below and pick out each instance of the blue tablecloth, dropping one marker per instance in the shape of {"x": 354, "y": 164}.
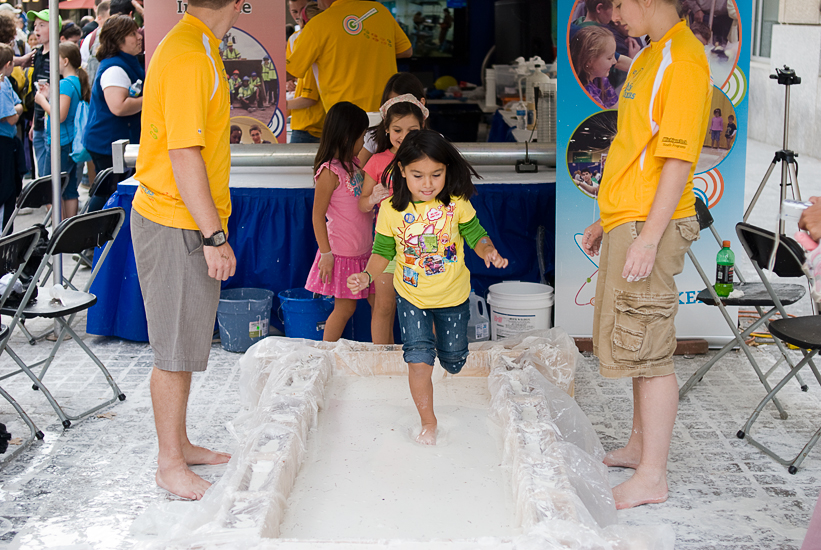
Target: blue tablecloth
{"x": 271, "y": 234}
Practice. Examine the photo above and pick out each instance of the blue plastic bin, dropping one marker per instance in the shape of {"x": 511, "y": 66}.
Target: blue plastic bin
{"x": 243, "y": 315}
{"x": 304, "y": 315}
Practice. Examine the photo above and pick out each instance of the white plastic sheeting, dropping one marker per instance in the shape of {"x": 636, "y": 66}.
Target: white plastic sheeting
{"x": 553, "y": 456}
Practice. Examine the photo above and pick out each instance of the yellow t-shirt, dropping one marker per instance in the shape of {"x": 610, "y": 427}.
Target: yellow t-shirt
{"x": 312, "y": 118}
{"x": 663, "y": 113}
{"x": 354, "y": 45}
{"x": 186, "y": 104}
{"x": 430, "y": 251}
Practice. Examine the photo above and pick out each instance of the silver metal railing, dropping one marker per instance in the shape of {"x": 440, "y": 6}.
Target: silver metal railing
{"x": 300, "y": 154}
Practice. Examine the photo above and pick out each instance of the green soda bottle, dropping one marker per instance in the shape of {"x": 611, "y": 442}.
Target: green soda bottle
{"x": 724, "y": 270}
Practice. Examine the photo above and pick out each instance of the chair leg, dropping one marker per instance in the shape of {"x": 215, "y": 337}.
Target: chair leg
{"x": 40, "y": 386}
{"x": 34, "y": 432}
{"x": 744, "y": 432}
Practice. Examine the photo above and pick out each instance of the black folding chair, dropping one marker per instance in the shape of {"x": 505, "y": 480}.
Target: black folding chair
{"x": 756, "y": 295}
{"x": 15, "y": 250}
{"x": 34, "y": 195}
{"x": 71, "y": 236}
{"x": 101, "y": 186}
{"x": 804, "y": 333}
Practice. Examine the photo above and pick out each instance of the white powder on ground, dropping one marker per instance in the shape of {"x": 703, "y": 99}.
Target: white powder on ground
{"x": 365, "y": 478}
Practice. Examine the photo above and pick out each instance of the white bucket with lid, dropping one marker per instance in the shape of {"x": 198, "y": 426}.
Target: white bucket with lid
{"x": 517, "y": 307}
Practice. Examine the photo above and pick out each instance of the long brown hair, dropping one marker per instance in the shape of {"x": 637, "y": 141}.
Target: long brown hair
{"x": 71, "y": 52}
{"x": 588, "y": 43}
{"x": 344, "y": 123}
{"x": 112, "y": 35}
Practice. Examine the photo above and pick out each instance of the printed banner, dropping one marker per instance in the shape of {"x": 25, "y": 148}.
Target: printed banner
{"x": 254, "y": 56}
{"x": 590, "y": 87}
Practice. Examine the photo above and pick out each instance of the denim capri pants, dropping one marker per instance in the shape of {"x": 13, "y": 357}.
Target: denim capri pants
{"x": 450, "y": 343}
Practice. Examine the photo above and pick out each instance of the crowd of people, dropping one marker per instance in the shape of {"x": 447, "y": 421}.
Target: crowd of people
{"x": 101, "y": 64}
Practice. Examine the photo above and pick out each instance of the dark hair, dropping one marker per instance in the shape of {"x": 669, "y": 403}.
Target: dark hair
{"x": 6, "y": 55}
{"x": 344, "y": 123}
{"x": 421, "y": 144}
{"x": 71, "y": 52}
{"x": 70, "y": 30}
{"x": 112, "y": 35}
{"x": 234, "y": 128}
{"x": 8, "y": 28}
{"x": 397, "y": 110}
{"x": 399, "y": 84}
{"x": 124, "y": 7}
{"x": 719, "y": 111}
{"x": 731, "y": 116}
{"x": 255, "y": 127}
{"x": 586, "y": 170}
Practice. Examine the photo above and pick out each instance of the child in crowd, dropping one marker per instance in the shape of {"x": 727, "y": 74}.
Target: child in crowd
{"x": 398, "y": 84}
{"x": 424, "y": 226}
{"x": 716, "y": 128}
{"x": 731, "y": 131}
{"x": 400, "y": 115}
{"x": 12, "y": 161}
{"x": 74, "y": 87}
{"x": 344, "y": 233}
{"x": 593, "y": 52}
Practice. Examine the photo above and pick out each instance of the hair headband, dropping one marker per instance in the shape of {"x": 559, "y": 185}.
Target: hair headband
{"x": 404, "y": 98}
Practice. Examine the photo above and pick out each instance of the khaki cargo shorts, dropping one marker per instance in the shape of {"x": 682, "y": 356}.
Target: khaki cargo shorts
{"x": 634, "y": 332}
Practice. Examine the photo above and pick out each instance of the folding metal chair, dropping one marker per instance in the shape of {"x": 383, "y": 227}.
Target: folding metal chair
{"x": 757, "y": 295}
{"x": 15, "y": 250}
{"x": 102, "y": 184}
{"x": 71, "y": 236}
{"x": 805, "y": 333}
{"x": 34, "y": 195}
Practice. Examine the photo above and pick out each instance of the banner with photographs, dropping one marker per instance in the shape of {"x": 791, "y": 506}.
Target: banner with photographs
{"x": 594, "y": 55}
{"x": 253, "y": 53}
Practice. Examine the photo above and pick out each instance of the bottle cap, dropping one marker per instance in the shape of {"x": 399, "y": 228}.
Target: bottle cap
{"x": 726, "y": 244}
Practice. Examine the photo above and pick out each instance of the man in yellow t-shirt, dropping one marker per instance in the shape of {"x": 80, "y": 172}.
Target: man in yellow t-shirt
{"x": 178, "y": 222}
{"x": 269, "y": 79}
{"x": 307, "y": 111}
{"x": 354, "y": 44}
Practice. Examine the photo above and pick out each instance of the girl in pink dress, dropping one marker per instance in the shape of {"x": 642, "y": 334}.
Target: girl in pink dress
{"x": 343, "y": 232}
{"x": 400, "y": 115}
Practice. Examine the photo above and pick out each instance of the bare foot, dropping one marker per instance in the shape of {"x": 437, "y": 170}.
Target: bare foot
{"x": 637, "y": 491}
{"x": 428, "y": 435}
{"x": 622, "y": 458}
{"x": 182, "y": 482}
{"x": 200, "y": 455}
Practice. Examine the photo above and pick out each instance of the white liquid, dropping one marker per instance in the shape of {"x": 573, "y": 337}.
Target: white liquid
{"x": 365, "y": 478}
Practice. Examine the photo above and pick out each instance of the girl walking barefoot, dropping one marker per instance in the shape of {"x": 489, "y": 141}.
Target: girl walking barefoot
{"x": 400, "y": 115}
{"x": 344, "y": 233}
{"x": 424, "y": 226}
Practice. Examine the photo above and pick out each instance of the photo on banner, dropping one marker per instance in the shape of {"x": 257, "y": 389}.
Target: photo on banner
{"x": 587, "y": 151}
{"x": 721, "y": 132}
{"x": 600, "y": 50}
{"x": 251, "y": 50}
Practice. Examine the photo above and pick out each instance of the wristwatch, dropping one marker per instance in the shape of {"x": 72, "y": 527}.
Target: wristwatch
{"x": 217, "y": 239}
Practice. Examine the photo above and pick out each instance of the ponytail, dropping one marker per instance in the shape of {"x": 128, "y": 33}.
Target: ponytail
{"x": 85, "y": 84}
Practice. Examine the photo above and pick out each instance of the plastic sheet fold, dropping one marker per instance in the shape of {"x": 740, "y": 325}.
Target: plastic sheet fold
{"x": 551, "y": 452}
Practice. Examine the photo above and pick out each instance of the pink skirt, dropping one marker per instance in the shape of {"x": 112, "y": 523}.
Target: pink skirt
{"x": 344, "y": 266}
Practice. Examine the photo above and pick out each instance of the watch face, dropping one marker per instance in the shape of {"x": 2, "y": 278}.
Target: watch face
{"x": 216, "y": 239}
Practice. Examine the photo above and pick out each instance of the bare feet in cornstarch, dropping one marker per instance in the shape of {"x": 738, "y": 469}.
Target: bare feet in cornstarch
{"x": 182, "y": 482}
{"x": 622, "y": 458}
{"x": 637, "y": 491}
{"x": 200, "y": 455}
{"x": 428, "y": 435}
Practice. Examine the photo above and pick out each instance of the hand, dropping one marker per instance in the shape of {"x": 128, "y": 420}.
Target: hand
{"x": 633, "y": 47}
{"x": 380, "y": 192}
{"x": 493, "y": 257}
{"x": 326, "y": 267}
{"x": 641, "y": 256}
{"x": 221, "y": 261}
{"x": 358, "y": 282}
{"x": 290, "y": 86}
{"x": 25, "y": 60}
{"x": 42, "y": 89}
{"x": 138, "y": 7}
{"x": 811, "y": 219}
{"x": 591, "y": 239}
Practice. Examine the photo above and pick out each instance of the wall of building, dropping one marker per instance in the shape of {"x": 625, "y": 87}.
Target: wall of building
{"x": 796, "y": 42}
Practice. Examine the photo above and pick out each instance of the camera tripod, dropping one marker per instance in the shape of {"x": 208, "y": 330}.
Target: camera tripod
{"x": 789, "y": 167}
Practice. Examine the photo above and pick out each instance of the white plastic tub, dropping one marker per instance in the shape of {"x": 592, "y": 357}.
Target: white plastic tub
{"x": 517, "y": 307}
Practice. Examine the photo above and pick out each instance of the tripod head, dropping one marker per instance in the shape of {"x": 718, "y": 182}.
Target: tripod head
{"x": 786, "y": 76}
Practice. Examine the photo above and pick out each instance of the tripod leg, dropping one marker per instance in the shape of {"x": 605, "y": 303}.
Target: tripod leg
{"x": 794, "y": 176}
{"x": 760, "y": 189}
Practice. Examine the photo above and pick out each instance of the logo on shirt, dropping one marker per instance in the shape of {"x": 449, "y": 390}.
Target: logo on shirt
{"x": 353, "y": 24}
{"x": 628, "y": 93}
{"x": 674, "y": 142}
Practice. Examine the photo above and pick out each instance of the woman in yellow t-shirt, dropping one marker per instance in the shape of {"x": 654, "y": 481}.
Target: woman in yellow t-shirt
{"x": 646, "y": 227}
